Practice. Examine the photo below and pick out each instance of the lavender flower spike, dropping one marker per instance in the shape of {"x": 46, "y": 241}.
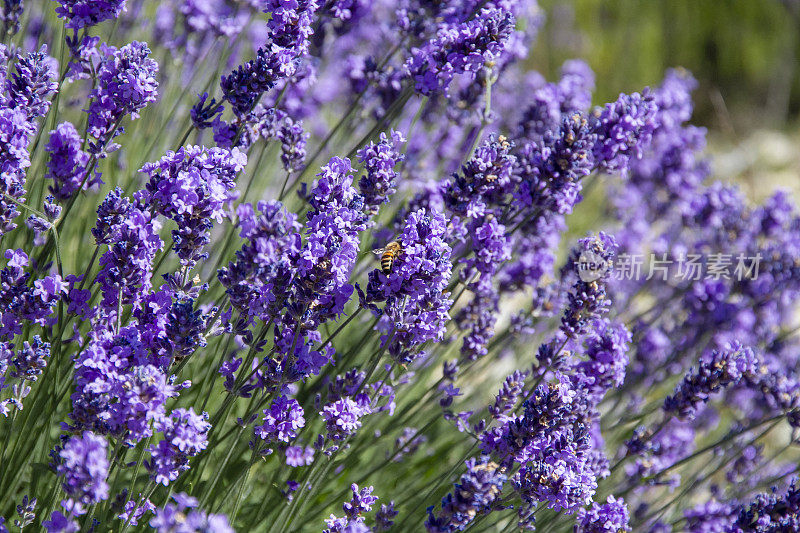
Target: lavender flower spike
{"x": 722, "y": 369}
{"x": 83, "y": 465}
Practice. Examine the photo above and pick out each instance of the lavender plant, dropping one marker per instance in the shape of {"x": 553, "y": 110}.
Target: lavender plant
{"x": 195, "y": 335}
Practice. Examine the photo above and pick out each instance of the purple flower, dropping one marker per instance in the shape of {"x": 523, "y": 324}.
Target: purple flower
{"x": 209, "y": 19}
{"x": 361, "y": 502}
{"x": 67, "y": 163}
{"x": 353, "y": 522}
{"x": 473, "y": 496}
{"x": 205, "y": 111}
{"x": 15, "y": 133}
{"x": 83, "y": 465}
{"x": 560, "y": 475}
{"x": 244, "y": 86}
{"x": 607, "y": 358}
{"x": 85, "y": 13}
{"x": 11, "y": 11}
{"x": 181, "y": 516}
{"x": 721, "y": 369}
{"x": 290, "y": 23}
{"x": 185, "y": 436}
{"x": 491, "y": 248}
{"x": 24, "y": 302}
{"x": 320, "y": 288}
{"x": 710, "y": 517}
{"x": 281, "y": 421}
{"x": 571, "y": 94}
{"x": 459, "y": 48}
{"x": 126, "y": 83}
{"x": 416, "y": 307}
{"x": 551, "y": 170}
{"x": 31, "y": 86}
{"x": 31, "y": 359}
{"x": 299, "y": 456}
{"x": 84, "y": 56}
{"x": 770, "y": 512}
{"x": 623, "y": 129}
{"x": 59, "y": 523}
{"x": 384, "y": 518}
{"x": 112, "y": 212}
{"x": 659, "y": 451}
{"x": 549, "y": 413}
{"x": 509, "y": 394}
{"x": 343, "y": 417}
{"x": 258, "y": 280}
{"x": 184, "y": 330}
{"x": 192, "y": 187}
{"x": 379, "y": 161}
{"x": 293, "y": 143}
{"x": 610, "y": 517}
{"x": 125, "y": 267}
{"x": 118, "y": 389}
{"x": 588, "y": 299}
{"x": 408, "y": 443}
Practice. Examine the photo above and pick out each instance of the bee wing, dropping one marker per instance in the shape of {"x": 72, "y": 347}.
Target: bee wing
{"x": 379, "y": 251}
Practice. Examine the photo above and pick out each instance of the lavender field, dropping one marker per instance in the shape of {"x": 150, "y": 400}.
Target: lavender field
{"x": 357, "y": 266}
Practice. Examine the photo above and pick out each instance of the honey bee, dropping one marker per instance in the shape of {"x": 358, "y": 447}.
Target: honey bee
{"x": 388, "y": 255}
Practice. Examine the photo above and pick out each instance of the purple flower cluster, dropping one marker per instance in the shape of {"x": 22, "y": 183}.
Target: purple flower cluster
{"x": 244, "y": 86}
{"x": 609, "y": 517}
{"x": 476, "y": 494}
{"x": 290, "y": 23}
{"x": 126, "y": 83}
{"x": 379, "y": 161}
{"x": 282, "y": 420}
{"x": 68, "y": 162}
{"x": 561, "y": 474}
{"x": 770, "y": 512}
{"x": 10, "y": 13}
{"x": 722, "y": 369}
{"x": 459, "y": 48}
{"x": 133, "y": 242}
{"x": 25, "y": 367}
{"x": 258, "y": 280}
{"x": 623, "y": 127}
{"x": 293, "y": 143}
{"x": 15, "y": 132}
{"x": 571, "y": 94}
{"x": 353, "y": 521}
{"x": 588, "y": 299}
{"x": 119, "y": 390}
{"x": 192, "y": 187}
{"x": 184, "y": 517}
{"x": 81, "y": 14}
{"x": 320, "y": 287}
{"x": 494, "y": 161}
{"x": 185, "y": 435}
{"x": 343, "y": 417}
{"x": 416, "y": 304}
{"x": 24, "y": 97}
{"x": 606, "y": 359}
{"x": 506, "y": 399}
{"x": 32, "y": 83}
{"x": 83, "y": 465}
{"x": 24, "y": 302}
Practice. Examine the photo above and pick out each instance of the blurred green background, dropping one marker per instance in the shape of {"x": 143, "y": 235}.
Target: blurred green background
{"x": 744, "y": 53}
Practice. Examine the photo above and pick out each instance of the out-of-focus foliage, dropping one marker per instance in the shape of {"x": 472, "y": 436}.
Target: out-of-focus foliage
{"x": 746, "y": 55}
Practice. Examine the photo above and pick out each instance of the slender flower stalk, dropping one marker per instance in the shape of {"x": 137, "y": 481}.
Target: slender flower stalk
{"x": 288, "y": 256}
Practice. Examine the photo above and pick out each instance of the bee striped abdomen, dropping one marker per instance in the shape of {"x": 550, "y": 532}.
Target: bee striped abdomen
{"x": 389, "y": 254}
{"x": 386, "y": 262}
